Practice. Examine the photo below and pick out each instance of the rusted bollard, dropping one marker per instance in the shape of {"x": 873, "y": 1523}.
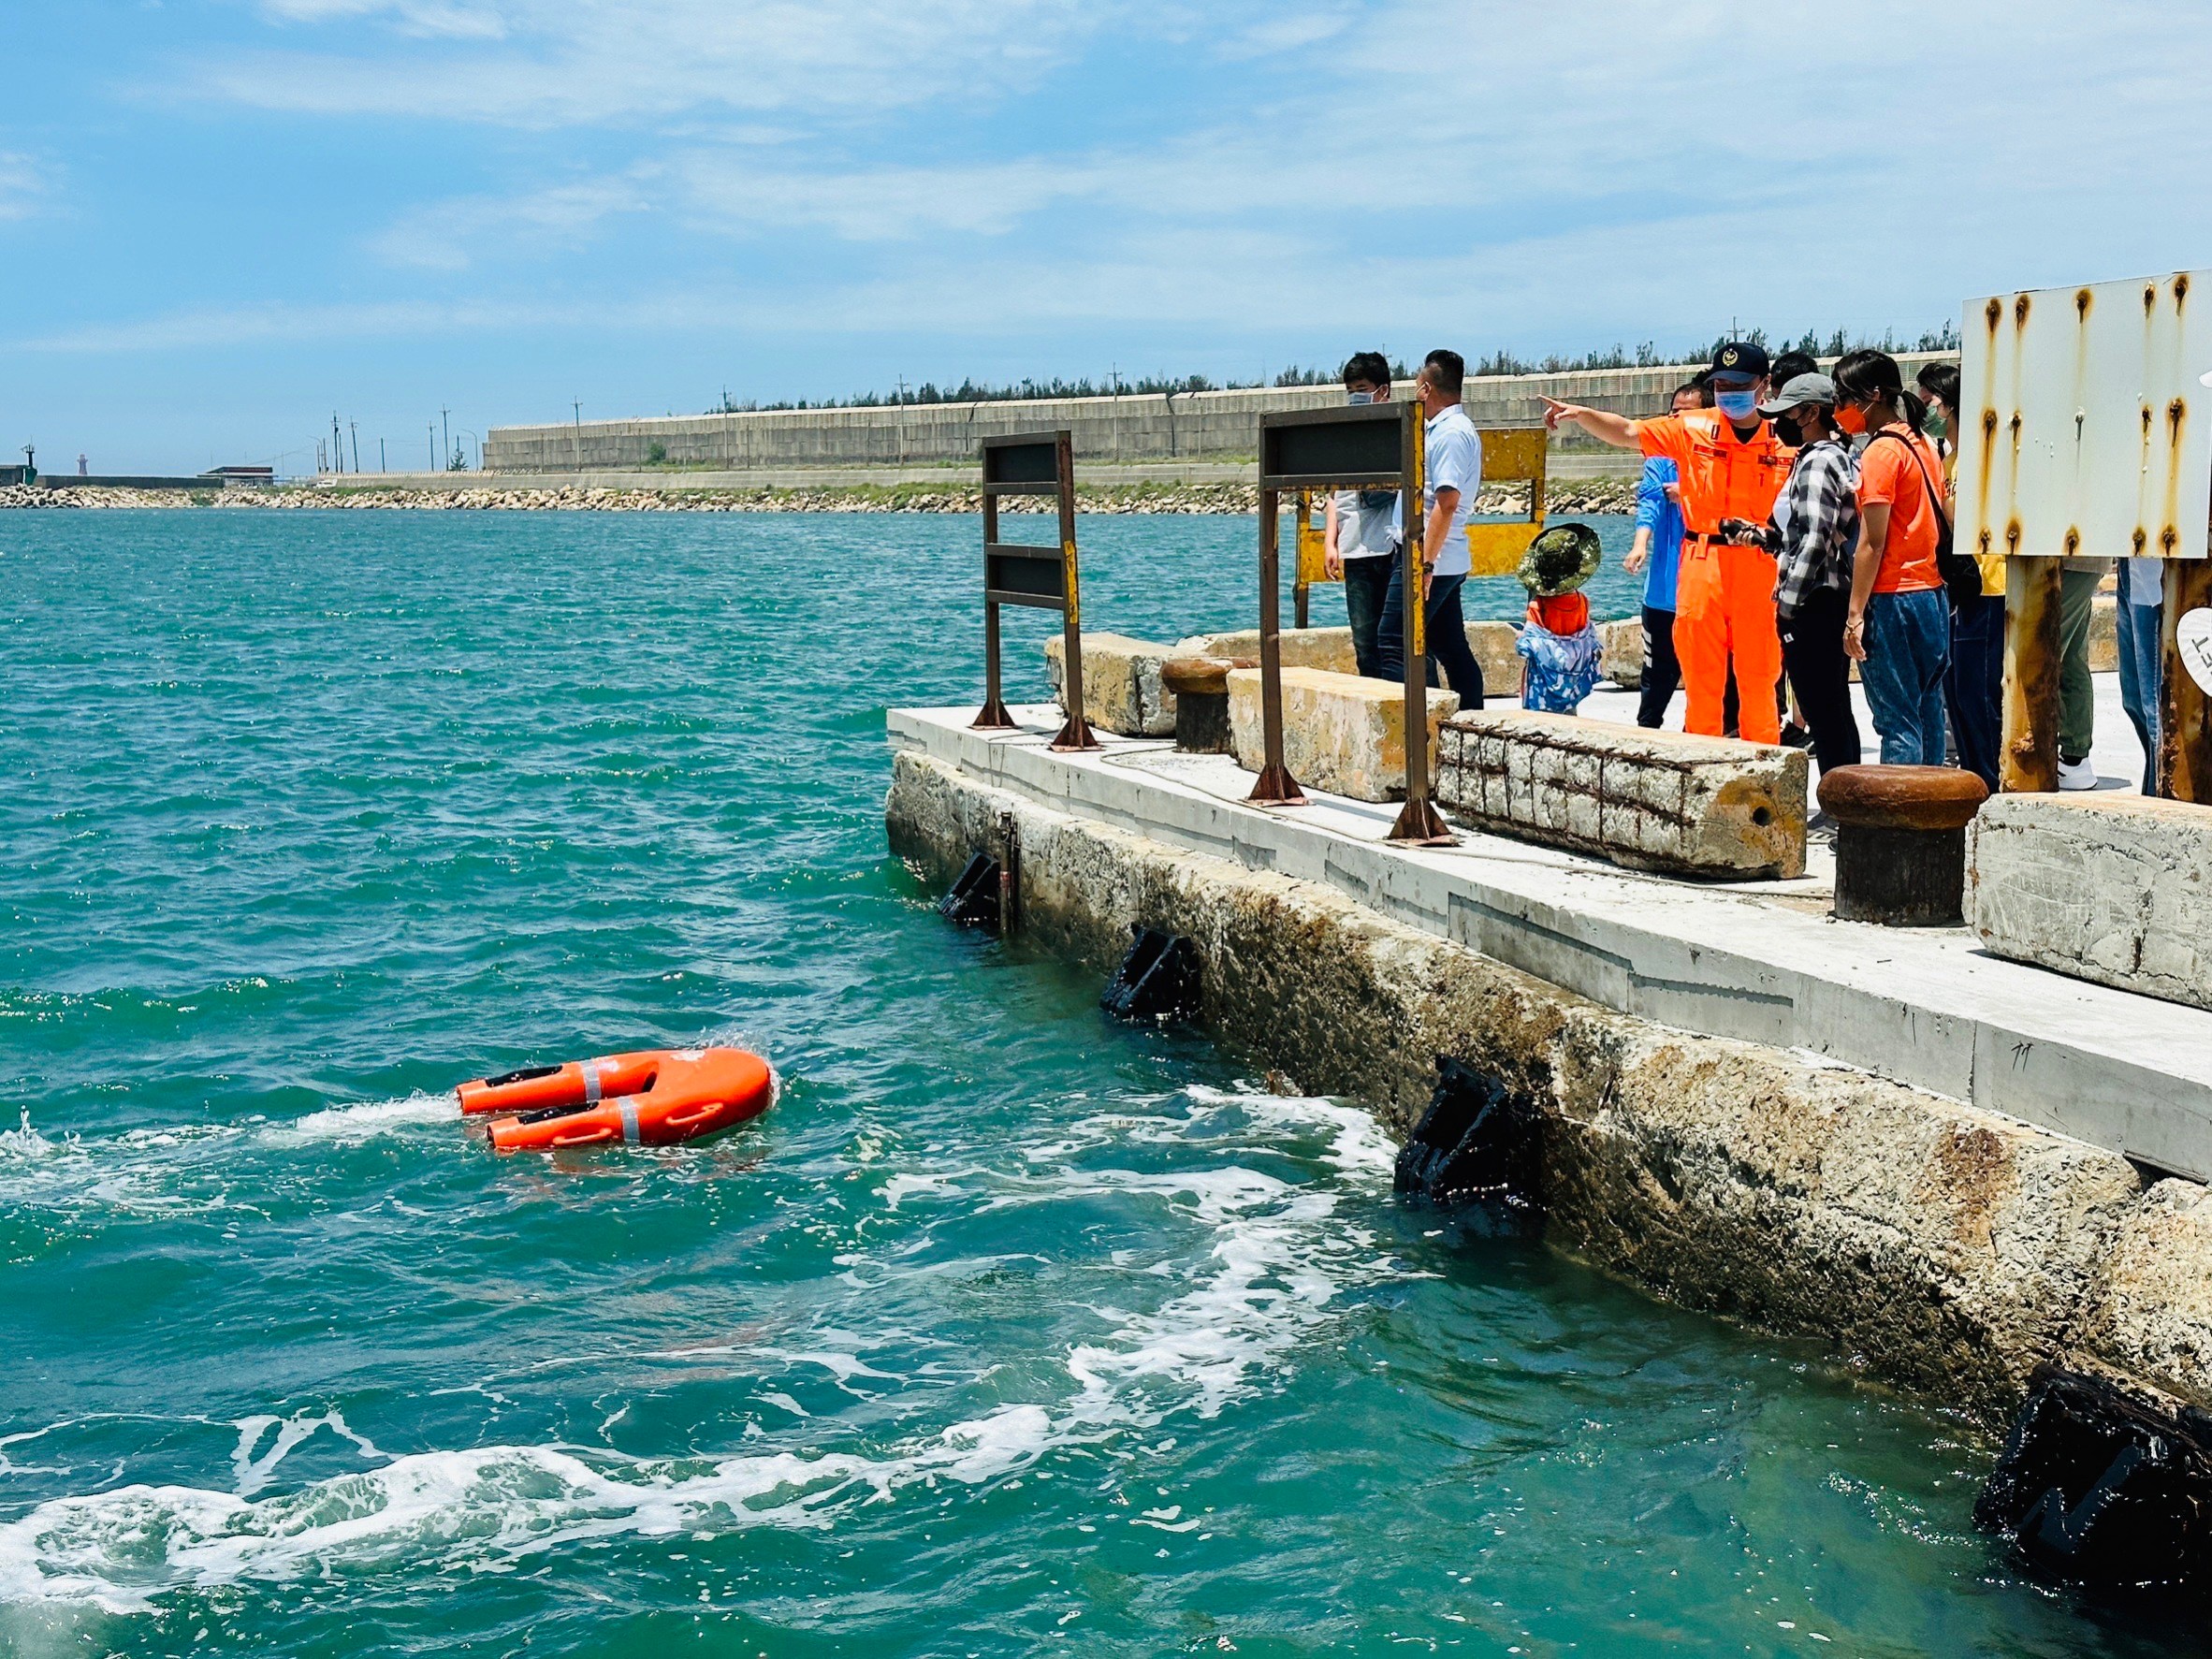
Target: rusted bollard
{"x": 1900, "y": 841}
{"x": 1201, "y": 685}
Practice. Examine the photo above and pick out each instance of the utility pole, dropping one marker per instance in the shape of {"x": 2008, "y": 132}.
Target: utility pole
{"x": 579, "y": 431}
{"x": 444, "y": 431}
{"x": 381, "y": 467}
{"x": 336, "y": 444}
{"x": 433, "y": 447}
{"x": 900, "y": 418}
{"x": 354, "y": 427}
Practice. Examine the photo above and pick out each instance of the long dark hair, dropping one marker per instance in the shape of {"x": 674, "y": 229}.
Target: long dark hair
{"x": 1940, "y": 380}
{"x": 1863, "y": 375}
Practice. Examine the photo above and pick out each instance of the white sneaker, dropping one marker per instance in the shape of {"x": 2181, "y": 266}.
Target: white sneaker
{"x": 2077, "y": 774}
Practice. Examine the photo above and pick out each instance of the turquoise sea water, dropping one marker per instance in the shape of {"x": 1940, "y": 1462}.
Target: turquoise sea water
{"x": 1004, "y": 1331}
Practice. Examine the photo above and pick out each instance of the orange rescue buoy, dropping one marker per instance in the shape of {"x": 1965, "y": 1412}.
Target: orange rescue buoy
{"x": 653, "y": 1097}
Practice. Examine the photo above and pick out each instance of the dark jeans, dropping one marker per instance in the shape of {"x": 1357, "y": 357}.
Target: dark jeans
{"x": 1908, "y": 641}
{"x": 2140, "y": 666}
{"x": 1366, "y": 586}
{"x": 1447, "y": 631}
{"x": 1973, "y": 685}
{"x": 1820, "y": 675}
{"x": 1662, "y": 669}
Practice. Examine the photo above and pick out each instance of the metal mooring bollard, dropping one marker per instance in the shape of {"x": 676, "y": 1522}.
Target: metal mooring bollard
{"x": 1201, "y": 685}
{"x": 1900, "y": 841}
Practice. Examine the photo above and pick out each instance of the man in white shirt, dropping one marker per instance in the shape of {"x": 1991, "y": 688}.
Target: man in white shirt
{"x": 1452, "y": 478}
{"x": 1363, "y": 530}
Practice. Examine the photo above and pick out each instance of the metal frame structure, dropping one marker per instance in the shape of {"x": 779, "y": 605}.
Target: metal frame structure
{"x": 2085, "y": 436}
{"x": 1510, "y": 455}
{"x": 1018, "y": 572}
{"x": 1376, "y": 445}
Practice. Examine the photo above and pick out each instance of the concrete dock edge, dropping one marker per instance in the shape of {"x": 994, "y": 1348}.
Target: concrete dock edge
{"x": 1918, "y": 1239}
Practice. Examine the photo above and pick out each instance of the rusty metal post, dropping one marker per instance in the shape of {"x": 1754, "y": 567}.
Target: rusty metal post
{"x": 1299, "y": 593}
{"x": 993, "y": 716}
{"x": 1275, "y": 786}
{"x": 2028, "y": 762}
{"x": 1076, "y": 736}
{"x": 2185, "y": 710}
{"x": 1418, "y": 820}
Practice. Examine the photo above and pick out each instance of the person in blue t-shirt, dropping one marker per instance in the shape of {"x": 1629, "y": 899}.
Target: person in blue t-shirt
{"x": 1657, "y": 552}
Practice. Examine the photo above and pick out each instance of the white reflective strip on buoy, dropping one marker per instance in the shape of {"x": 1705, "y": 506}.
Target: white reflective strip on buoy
{"x": 629, "y": 1121}
{"x": 590, "y": 1083}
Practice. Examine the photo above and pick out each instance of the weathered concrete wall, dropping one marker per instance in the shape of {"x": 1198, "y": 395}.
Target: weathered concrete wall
{"x": 2113, "y": 889}
{"x": 1917, "y": 1237}
{"x": 1108, "y": 431}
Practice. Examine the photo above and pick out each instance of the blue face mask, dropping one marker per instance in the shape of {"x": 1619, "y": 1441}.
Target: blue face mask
{"x": 1740, "y": 407}
{"x": 1358, "y": 397}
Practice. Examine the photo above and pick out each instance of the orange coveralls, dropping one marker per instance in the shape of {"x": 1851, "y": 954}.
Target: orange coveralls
{"x": 1725, "y": 595}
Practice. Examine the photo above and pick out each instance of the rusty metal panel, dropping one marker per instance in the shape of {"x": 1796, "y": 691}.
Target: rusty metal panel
{"x": 1325, "y": 448}
{"x": 2087, "y": 431}
{"x": 1022, "y": 457}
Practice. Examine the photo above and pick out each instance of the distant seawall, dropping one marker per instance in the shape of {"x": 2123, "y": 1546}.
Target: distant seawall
{"x": 1129, "y": 430}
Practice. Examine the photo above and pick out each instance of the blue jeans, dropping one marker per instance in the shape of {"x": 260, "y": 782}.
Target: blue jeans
{"x": 1446, "y": 635}
{"x": 1366, "y": 586}
{"x": 2140, "y": 664}
{"x": 1908, "y": 641}
{"x": 1973, "y": 685}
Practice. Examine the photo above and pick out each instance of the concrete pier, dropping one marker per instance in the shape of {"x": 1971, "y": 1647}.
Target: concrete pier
{"x": 1889, "y": 1141}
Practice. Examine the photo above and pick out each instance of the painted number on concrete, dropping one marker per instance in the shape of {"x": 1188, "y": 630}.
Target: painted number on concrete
{"x": 2192, "y": 638}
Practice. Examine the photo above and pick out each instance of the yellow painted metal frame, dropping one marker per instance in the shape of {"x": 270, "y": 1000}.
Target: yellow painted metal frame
{"x": 1510, "y": 455}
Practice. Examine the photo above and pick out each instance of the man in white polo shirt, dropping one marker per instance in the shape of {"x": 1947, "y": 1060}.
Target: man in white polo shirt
{"x": 1452, "y": 477}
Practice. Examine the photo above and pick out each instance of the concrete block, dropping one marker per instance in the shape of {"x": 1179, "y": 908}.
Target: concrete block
{"x": 1493, "y": 644}
{"x": 1121, "y": 685}
{"x": 1706, "y": 806}
{"x": 1341, "y": 734}
{"x": 2112, "y": 888}
{"x": 2104, "y": 634}
{"x": 1302, "y": 648}
{"x": 1622, "y": 651}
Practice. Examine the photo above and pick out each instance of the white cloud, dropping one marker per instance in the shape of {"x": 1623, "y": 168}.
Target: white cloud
{"x": 449, "y": 235}
{"x": 554, "y": 63}
{"x": 23, "y": 187}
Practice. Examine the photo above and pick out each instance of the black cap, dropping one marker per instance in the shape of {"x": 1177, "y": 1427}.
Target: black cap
{"x": 1741, "y": 357}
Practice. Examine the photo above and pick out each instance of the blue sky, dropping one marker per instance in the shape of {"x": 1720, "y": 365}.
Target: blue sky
{"x": 223, "y": 219}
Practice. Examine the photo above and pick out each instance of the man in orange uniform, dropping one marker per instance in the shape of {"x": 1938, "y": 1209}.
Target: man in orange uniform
{"x": 1732, "y": 466}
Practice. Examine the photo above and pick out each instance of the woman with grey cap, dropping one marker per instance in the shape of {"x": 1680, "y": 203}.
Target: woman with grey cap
{"x": 1812, "y": 535}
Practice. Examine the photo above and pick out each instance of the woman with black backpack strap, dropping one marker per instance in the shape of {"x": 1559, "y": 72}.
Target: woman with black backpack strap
{"x": 1898, "y": 624}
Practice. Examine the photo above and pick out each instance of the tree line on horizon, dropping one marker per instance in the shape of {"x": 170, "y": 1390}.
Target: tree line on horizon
{"x": 1646, "y": 356}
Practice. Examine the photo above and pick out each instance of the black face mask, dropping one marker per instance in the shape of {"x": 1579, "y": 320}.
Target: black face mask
{"x": 1786, "y": 428}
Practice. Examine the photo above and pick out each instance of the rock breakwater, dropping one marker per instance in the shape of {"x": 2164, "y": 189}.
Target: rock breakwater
{"x": 1593, "y": 496}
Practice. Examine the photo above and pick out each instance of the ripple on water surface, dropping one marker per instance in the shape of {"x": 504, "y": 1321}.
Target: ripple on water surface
{"x": 1004, "y": 1330}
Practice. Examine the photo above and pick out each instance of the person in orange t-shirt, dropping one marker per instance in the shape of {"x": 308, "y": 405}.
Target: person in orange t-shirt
{"x": 1899, "y": 626}
{"x": 1732, "y": 466}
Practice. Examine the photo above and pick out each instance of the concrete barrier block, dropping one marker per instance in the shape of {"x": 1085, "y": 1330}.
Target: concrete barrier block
{"x": 1706, "y": 806}
{"x": 2112, "y": 888}
{"x": 1341, "y": 734}
{"x": 1302, "y": 648}
{"x": 1621, "y": 656}
{"x": 1493, "y": 644}
{"x": 1121, "y": 685}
